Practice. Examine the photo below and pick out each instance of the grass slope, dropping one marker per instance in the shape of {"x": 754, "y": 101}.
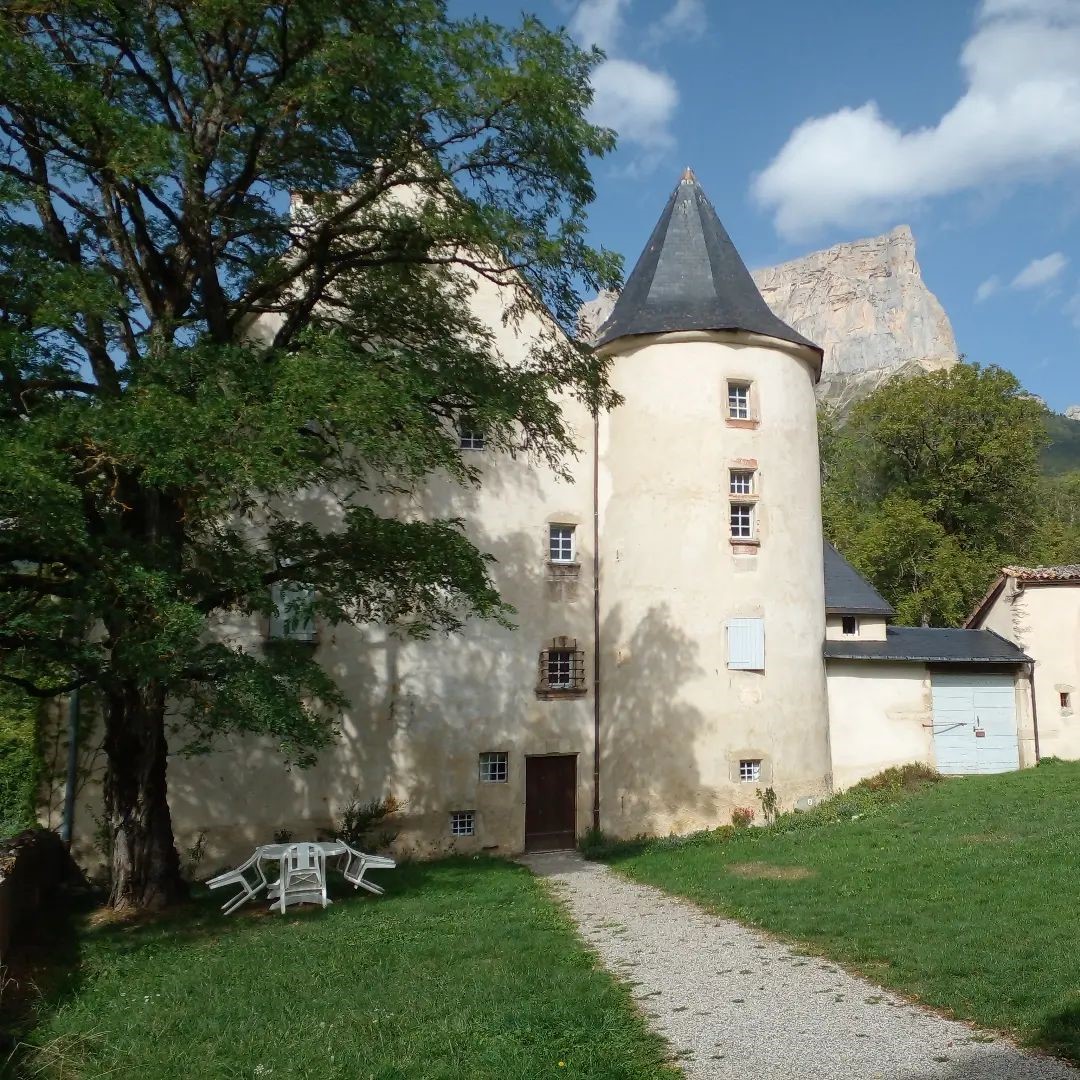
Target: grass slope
{"x": 964, "y": 895}
{"x": 464, "y": 969}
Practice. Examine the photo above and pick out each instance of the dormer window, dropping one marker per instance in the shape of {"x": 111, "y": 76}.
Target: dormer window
{"x": 849, "y": 626}
{"x": 738, "y": 398}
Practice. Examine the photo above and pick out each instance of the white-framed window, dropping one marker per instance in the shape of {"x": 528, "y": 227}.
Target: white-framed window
{"x": 469, "y": 437}
{"x": 742, "y": 521}
{"x": 463, "y": 823}
{"x": 746, "y": 644}
{"x": 561, "y": 543}
{"x": 738, "y": 401}
{"x": 494, "y": 767}
{"x": 849, "y": 625}
{"x": 750, "y": 770}
{"x": 741, "y": 481}
{"x": 560, "y": 669}
{"x": 292, "y": 619}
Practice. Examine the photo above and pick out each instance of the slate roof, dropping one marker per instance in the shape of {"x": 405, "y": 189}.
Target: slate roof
{"x": 1068, "y": 572}
{"x": 930, "y": 645}
{"x": 847, "y": 592}
{"x": 690, "y": 277}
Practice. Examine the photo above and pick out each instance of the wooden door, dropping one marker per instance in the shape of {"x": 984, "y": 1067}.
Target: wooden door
{"x": 550, "y": 797}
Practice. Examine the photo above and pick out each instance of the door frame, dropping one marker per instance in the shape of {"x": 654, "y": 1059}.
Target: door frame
{"x": 572, "y": 756}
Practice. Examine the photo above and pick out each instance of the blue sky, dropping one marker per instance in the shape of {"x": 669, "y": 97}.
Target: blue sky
{"x": 811, "y": 124}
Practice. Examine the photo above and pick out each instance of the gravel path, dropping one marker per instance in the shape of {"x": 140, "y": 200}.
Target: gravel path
{"x": 736, "y": 1005}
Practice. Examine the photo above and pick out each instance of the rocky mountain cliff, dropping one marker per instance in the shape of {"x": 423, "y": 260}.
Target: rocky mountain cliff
{"x": 864, "y": 303}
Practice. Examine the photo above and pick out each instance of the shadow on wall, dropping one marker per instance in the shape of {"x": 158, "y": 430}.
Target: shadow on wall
{"x": 650, "y": 781}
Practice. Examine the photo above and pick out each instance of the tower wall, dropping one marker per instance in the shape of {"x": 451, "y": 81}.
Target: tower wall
{"x": 676, "y": 720}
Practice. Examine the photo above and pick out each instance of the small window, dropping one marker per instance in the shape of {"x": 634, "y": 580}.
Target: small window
{"x": 746, "y": 644}
{"x": 494, "y": 767}
{"x": 738, "y": 401}
{"x": 1066, "y": 699}
{"x": 561, "y": 543}
{"x": 291, "y": 619}
{"x": 470, "y": 437}
{"x": 849, "y": 625}
{"x": 750, "y": 770}
{"x": 742, "y": 521}
{"x": 741, "y": 482}
{"x": 463, "y": 823}
{"x": 562, "y": 667}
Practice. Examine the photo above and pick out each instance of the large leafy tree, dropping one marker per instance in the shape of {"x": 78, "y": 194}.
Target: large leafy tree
{"x": 238, "y": 241}
{"x": 933, "y": 482}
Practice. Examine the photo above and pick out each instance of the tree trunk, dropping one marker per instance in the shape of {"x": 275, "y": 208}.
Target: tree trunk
{"x": 145, "y": 865}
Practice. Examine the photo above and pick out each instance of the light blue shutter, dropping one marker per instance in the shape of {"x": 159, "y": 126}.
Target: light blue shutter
{"x": 746, "y": 644}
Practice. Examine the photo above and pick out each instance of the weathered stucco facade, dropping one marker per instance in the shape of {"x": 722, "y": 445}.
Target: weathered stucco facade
{"x": 1038, "y": 609}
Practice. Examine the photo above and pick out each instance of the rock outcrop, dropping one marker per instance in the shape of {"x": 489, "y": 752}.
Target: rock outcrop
{"x": 1073, "y": 412}
{"x": 865, "y": 303}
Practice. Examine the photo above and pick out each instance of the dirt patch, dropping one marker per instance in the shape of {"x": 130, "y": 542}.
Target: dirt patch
{"x": 769, "y": 872}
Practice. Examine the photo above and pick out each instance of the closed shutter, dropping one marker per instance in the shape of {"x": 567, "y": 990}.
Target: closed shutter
{"x": 746, "y": 644}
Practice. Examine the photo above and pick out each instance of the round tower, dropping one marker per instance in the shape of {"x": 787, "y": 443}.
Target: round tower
{"x": 711, "y": 592}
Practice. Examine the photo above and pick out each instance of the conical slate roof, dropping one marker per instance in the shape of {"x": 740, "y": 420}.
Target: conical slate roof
{"x": 690, "y": 277}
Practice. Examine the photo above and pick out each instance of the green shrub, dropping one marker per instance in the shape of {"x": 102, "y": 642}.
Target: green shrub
{"x": 364, "y": 825}
{"x": 20, "y": 761}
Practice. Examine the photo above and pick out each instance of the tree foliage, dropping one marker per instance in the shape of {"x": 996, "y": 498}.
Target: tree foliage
{"x": 933, "y": 483}
{"x": 238, "y": 244}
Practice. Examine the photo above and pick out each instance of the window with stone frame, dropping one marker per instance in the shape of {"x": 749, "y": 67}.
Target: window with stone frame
{"x": 742, "y": 521}
{"x": 741, "y": 481}
{"x": 561, "y": 543}
{"x": 738, "y": 398}
{"x": 562, "y": 668}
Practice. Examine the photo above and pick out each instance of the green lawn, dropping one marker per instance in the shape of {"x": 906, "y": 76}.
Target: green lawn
{"x": 465, "y": 969}
{"x": 964, "y": 895}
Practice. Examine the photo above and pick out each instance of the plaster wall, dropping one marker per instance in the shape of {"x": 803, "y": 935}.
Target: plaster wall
{"x": 879, "y": 716}
{"x": 1044, "y": 620}
{"x": 871, "y": 628}
{"x": 676, "y": 719}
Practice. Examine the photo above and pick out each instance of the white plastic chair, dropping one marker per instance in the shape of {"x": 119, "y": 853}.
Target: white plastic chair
{"x": 239, "y": 876}
{"x": 303, "y": 876}
{"x": 356, "y": 864}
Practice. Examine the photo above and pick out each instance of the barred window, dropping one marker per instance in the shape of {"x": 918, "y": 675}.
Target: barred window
{"x": 463, "y": 823}
{"x": 738, "y": 401}
{"x": 494, "y": 767}
{"x": 742, "y": 521}
{"x": 562, "y": 666}
{"x": 561, "y": 543}
{"x": 750, "y": 770}
{"x": 741, "y": 482}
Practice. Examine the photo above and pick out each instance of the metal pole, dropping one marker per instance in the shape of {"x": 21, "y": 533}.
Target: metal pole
{"x": 72, "y": 767}
{"x": 596, "y": 623}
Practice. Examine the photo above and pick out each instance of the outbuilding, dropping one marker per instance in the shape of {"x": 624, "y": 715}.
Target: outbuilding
{"x": 957, "y": 699}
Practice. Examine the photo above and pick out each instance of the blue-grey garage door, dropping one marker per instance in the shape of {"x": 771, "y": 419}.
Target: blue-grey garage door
{"x": 975, "y": 723}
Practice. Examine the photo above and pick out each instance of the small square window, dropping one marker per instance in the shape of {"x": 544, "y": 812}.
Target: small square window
{"x": 741, "y": 482}
{"x": 742, "y": 521}
{"x": 738, "y": 401}
{"x": 470, "y": 437}
{"x": 750, "y": 770}
{"x": 849, "y": 625}
{"x": 561, "y": 543}
{"x": 1065, "y": 698}
{"x": 494, "y": 767}
{"x": 463, "y": 823}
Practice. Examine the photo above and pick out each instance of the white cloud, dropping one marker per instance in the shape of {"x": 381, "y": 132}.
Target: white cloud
{"x": 1018, "y": 119}
{"x": 685, "y": 20}
{"x": 987, "y": 289}
{"x": 1040, "y": 272}
{"x": 599, "y": 22}
{"x": 636, "y": 100}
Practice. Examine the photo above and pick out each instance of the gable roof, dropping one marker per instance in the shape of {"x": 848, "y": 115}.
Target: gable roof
{"x": 930, "y": 644}
{"x": 847, "y": 592}
{"x": 690, "y": 277}
{"x": 1065, "y": 574}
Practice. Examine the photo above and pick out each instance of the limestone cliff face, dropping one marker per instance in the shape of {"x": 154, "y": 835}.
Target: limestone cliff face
{"x": 865, "y": 303}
